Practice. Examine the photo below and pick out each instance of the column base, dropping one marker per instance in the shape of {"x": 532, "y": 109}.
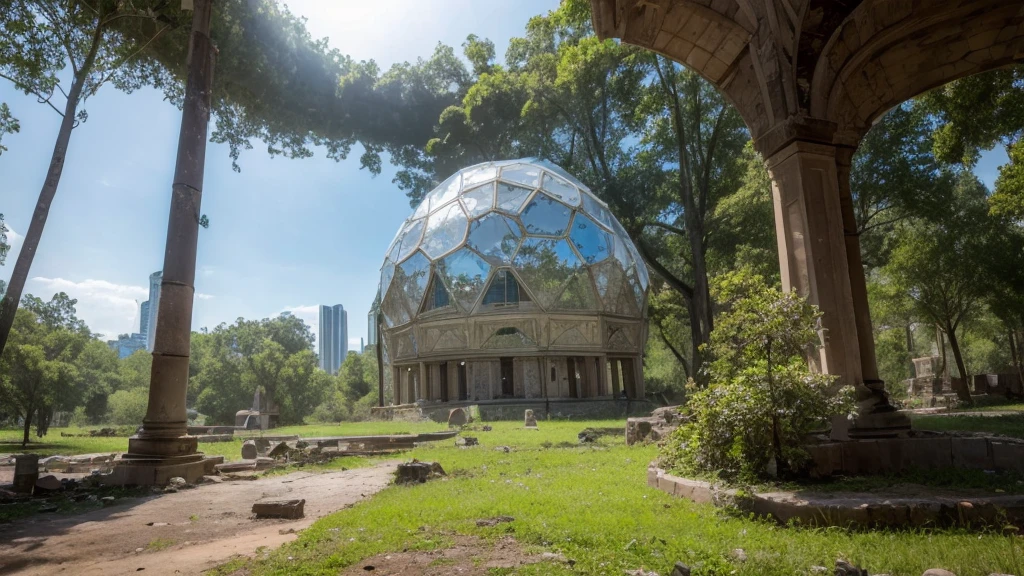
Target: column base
{"x": 876, "y": 416}
{"x": 143, "y": 471}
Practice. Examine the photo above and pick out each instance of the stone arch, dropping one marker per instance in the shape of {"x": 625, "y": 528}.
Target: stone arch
{"x": 888, "y": 51}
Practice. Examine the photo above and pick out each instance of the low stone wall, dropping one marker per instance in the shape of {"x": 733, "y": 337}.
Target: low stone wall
{"x": 401, "y": 412}
{"x": 849, "y": 509}
{"x": 895, "y": 455}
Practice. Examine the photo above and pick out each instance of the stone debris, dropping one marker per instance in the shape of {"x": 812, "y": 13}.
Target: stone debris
{"x": 487, "y": 429}
{"x": 494, "y": 521}
{"x": 463, "y": 441}
{"x": 177, "y": 482}
{"x": 654, "y": 428}
{"x": 280, "y": 451}
{"x": 458, "y": 417}
{"x": 844, "y": 568}
{"x": 529, "y": 421}
{"x": 587, "y": 437}
{"x": 680, "y": 569}
{"x": 209, "y": 480}
{"x": 556, "y": 557}
{"x": 640, "y": 572}
{"x": 416, "y": 472}
{"x": 505, "y": 449}
{"x": 107, "y": 501}
{"x": 48, "y": 483}
{"x": 290, "y": 509}
{"x": 738, "y": 555}
{"x": 249, "y": 450}
{"x": 937, "y": 572}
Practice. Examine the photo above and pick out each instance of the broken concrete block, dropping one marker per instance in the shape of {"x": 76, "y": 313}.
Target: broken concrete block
{"x": 49, "y": 483}
{"x": 418, "y": 472}
{"x": 279, "y": 509}
{"x": 249, "y": 451}
{"x": 463, "y": 441}
{"x": 529, "y": 421}
{"x": 457, "y": 417}
{"x": 279, "y": 451}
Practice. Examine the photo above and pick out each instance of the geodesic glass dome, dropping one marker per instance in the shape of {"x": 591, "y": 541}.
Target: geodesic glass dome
{"x": 520, "y": 233}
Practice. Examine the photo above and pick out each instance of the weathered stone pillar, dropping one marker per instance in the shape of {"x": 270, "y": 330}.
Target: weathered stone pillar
{"x": 821, "y": 261}
{"x": 604, "y": 386}
{"x": 421, "y": 388}
{"x": 162, "y": 449}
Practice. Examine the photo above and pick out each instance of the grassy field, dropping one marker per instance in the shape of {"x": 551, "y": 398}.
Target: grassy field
{"x": 1006, "y": 425}
{"x": 592, "y": 504}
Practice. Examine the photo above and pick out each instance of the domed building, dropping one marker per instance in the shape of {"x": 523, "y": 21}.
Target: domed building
{"x": 511, "y": 283}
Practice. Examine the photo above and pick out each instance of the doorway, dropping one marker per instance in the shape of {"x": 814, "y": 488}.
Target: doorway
{"x": 444, "y": 382}
{"x": 463, "y": 386}
{"x": 508, "y": 388}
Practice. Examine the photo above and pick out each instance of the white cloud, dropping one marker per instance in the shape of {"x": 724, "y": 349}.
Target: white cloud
{"x": 109, "y": 309}
{"x": 203, "y": 296}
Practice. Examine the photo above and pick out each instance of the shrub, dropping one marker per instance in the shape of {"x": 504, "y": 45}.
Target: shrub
{"x": 762, "y": 400}
{"x": 128, "y": 407}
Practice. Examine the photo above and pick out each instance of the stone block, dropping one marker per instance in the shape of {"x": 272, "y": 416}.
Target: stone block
{"x": 694, "y": 490}
{"x": 417, "y": 472}
{"x": 972, "y": 453}
{"x": 826, "y": 459}
{"x": 652, "y": 477}
{"x": 1008, "y": 456}
{"x": 457, "y": 417}
{"x": 249, "y": 450}
{"x": 529, "y": 421}
{"x": 928, "y": 453}
{"x": 291, "y": 509}
{"x": 667, "y": 483}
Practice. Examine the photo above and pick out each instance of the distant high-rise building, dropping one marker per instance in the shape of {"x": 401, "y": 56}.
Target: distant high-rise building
{"x": 155, "y": 279}
{"x": 333, "y": 337}
{"x": 362, "y": 345}
{"x": 371, "y": 325}
{"x": 144, "y": 321}
{"x": 126, "y": 344}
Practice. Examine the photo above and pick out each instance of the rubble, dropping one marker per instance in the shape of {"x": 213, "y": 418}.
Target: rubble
{"x": 290, "y": 509}
{"x": 418, "y": 472}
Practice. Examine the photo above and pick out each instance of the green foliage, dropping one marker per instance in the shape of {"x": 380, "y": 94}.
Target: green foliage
{"x": 4, "y": 246}
{"x": 128, "y": 407}
{"x": 354, "y": 391}
{"x": 762, "y": 399}
{"x": 8, "y": 125}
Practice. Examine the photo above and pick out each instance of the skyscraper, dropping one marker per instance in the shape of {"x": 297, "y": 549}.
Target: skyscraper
{"x": 155, "y": 279}
{"x": 371, "y": 324}
{"x": 144, "y": 321}
{"x": 333, "y": 337}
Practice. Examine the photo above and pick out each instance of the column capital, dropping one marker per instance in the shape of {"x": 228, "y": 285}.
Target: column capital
{"x": 795, "y": 128}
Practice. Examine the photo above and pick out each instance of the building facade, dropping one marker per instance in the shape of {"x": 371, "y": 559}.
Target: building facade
{"x": 151, "y": 308}
{"x": 371, "y": 324}
{"x": 126, "y": 344}
{"x": 511, "y": 281}
{"x": 333, "y": 337}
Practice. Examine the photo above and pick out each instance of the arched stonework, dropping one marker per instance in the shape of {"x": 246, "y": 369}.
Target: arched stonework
{"x": 809, "y": 77}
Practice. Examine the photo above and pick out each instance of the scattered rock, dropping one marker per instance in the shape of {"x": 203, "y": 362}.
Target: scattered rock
{"x": 487, "y": 429}
{"x": 844, "y": 568}
{"x": 209, "y": 480}
{"x": 463, "y": 441}
{"x": 157, "y": 524}
{"x": 555, "y": 557}
{"x": 279, "y": 509}
{"x": 504, "y": 449}
{"x": 640, "y": 572}
{"x": 279, "y": 451}
{"x": 680, "y": 569}
{"x": 529, "y": 421}
{"x": 937, "y": 572}
{"x": 418, "y": 472}
{"x": 249, "y": 451}
{"x": 288, "y": 531}
{"x": 48, "y": 483}
{"x": 107, "y": 501}
{"x": 457, "y": 417}
{"x": 586, "y": 437}
{"x": 738, "y": 555}
{"x": 48, "y": 508}
{"x": 818, "y": 570}
{"x": 494, "y": 521}
{"x": 177, "y": 482}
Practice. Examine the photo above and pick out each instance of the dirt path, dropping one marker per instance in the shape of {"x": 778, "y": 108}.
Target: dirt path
{"x": 183, "y": 533}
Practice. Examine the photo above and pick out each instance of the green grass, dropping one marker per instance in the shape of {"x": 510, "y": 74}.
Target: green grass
{"x": 592, "y": 504}
{"x": 951, "y": 479}
{"x": 1006, "y": 425}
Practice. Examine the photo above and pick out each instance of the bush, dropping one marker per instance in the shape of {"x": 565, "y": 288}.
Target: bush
{"x": 762, "y": 400}
{"x": 334, "y": 409}
{"x": 128, "y": 407}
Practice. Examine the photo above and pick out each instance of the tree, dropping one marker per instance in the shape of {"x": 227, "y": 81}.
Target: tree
{"x": 352, "y": 379}
{"x": 762, "y": 399}
{"x": 939, "y": 264}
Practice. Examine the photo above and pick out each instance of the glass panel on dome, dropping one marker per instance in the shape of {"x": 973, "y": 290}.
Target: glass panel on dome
{"x": 511, "y": 197}
{"x": 495, "y": 237}
{"x": 622, "y": 253}
{"x": 387, "y": 272}
{"x": 410, "y": 240}
{"x": 562, "y": 189}
{"x": 595, "y": 209}
{"x": 466, "y": 274}
{"x": 546, "y": 216}
{"x": 393, "y": 309}
{"x": 641, "y": 269}
{"x": 479, "y": 174}
{"x": 437, "y": 295}
{"x": 592, "y": 242}
{"x": 446, "y": 229}
{"x": 422, "y": 209}
{"x": 578, "y": 294}
{"x": 504, "y": 290}
{"x": 478, "y": 200}
{"x": 446, "y": 192}
{"x": 525, "y": 174}
{"x": 560, "y": 171}
{"x": 546, "y": 265}
{"x": 634, "y": 284}
{"x": 411, "y": 278}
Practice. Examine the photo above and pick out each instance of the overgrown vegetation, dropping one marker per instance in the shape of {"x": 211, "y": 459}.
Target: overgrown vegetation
{"x": 762, "y": 399}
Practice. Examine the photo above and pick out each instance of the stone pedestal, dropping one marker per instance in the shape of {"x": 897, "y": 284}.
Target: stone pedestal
{"x": 159, "y": 471}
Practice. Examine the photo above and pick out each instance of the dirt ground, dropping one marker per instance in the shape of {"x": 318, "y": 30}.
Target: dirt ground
{"x": 469, "y": 556}
{"x": 182, "y": 533}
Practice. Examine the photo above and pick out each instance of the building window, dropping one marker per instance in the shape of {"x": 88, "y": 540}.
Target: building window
{"x": 437, "y": 295}
{"x": 504, "y": 290}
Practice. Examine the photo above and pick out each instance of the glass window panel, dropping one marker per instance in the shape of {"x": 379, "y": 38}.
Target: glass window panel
{"x": 394, "y": 310}
{"x": 478, "y": 174}
{"x": 546, "y": 216}
{"x": 504, "y": 290}
{"x": 561, "y": 172}
{"x": 592, "y": 242}
{"x": 437, "y": 295}
{"x": 387, "y": 272}
{"x": 578, "y": 294}
{"x": 595, "y": 209}
{"x": 511, "y": 197}
{"x": 446, "y": 229}
{"x": 446, "y": 192}
{"x": 410, "y": 240}
{"x": 411, "y": 278}
{"x": 634, "y": 284}
{"x": 465, "y": 273}
{"x": 561, "y": 188}
{"x": 478, "y": 200}
{"x": 422, "y": 209}
{"x": 546, "y": 265}
{"x": 525, "y": 174}
{"x": 622, "y": 253}
{"x": 496, "y": 237}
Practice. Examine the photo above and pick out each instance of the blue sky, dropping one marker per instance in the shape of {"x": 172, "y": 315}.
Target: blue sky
{"x": 284, "y": 234}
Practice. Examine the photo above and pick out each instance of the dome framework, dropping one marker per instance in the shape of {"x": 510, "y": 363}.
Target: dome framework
{"x": 512, "y": 281}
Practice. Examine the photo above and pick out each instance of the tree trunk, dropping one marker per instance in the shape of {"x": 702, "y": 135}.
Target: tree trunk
{"x": 28, "y": 425}
{"x": 910, "y": 350}
{"x": 1015, "y": 354}
{"x": 963, "y": 392}
{"x": 9, "y": 304}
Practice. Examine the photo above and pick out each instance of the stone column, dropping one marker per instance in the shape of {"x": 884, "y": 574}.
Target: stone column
{"x": 421, "y": 384}
{"x": 602, "y": 375}
{"x": 819, "y": 261}
{"x": 163, "y": 449}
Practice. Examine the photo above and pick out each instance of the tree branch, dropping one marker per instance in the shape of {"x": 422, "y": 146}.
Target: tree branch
{"x": 671, "y": 279}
